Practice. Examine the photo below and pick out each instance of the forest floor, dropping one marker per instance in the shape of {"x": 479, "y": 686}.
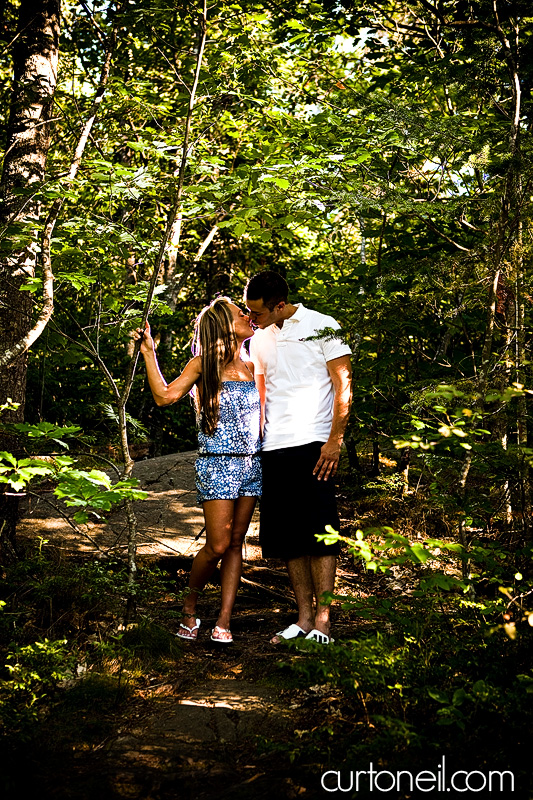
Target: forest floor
{"x": 222, "y": 720}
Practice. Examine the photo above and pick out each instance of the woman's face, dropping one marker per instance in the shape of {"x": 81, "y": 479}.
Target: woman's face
{"x": 241, "y": 322}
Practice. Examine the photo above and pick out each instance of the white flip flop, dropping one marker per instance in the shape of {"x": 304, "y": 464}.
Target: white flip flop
{"x": 188, "y": 632}
{"x": 292, "y": 632}
{"x": 317, "y": 636}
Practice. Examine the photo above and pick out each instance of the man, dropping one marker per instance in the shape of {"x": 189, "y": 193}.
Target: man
{"x": 304, "y": 379}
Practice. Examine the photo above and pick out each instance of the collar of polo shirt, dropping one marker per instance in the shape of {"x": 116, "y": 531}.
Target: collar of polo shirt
{"x": 296, "y": 317}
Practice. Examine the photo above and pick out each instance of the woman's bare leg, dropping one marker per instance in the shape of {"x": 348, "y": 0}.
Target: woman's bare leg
{"x": 218, "y": 516}
{"x": 231, "y": 567}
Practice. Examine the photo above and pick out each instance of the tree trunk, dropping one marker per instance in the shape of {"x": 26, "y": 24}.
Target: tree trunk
{"x": 172, "y": 235}
{"x": 375, "y": 468}
{"x": 35, "y": 58}
{"x": 403, "y": 469}
{"x": 521, "y": 410}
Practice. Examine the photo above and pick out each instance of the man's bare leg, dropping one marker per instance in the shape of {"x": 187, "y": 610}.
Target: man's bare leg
{"x": 322, "y": 570}
{"x": 299, "y": 570}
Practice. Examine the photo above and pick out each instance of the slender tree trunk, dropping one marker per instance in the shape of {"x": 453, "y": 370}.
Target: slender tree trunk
{"x": 482, "y": 387}
{"x": 35, "y": 59}
{"x": 500, "y": 421}
{"x": 521, "y": 410}
{"x": 510, "y": 224}
{"x": 171, "y": 236}
{"x": 403, "y": 469}
{"x": 375, "y": 468}
{"x": 463, "y": 477}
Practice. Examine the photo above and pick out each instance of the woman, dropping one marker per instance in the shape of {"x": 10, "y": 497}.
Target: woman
{"x": 228, "y": 468}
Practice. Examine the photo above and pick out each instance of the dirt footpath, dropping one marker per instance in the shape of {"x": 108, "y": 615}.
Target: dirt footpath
{"x": 222, "y": 725}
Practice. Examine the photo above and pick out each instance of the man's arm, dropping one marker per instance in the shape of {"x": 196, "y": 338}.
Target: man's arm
{"x": 340, "y": 372}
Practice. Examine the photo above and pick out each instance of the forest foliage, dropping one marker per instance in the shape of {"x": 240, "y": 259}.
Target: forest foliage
{"x": 379, "y": 155}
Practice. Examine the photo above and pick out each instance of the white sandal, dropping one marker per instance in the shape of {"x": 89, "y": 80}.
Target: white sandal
{"x": 221, "y": 639}
{"x": 317, "y": 636}
{"x": 188, "y": 633}
{"x": 292, "y": 632}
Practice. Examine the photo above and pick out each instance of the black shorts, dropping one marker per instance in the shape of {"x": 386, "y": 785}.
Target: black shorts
{"x": 295, "y": 505}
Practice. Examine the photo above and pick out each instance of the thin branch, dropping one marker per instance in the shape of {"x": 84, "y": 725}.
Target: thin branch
{"x": 67, "y": 519}
{"x": 176, "y": 284}
{"x": 173, "y": 227}
{"x": 262, "y": 588}
{"x": 433, "y": 10}
{"x": 515, "y": 80}
{"x": 443, "y": 235}
{"x": 467, "y": 224}
{"x": 12, "y": 42}
{"x": 472, "y": 23}
{"x": 170, "y": 233}
{"x": 206, "y": 242}
{"x": 99, "y": 32}
{"x": 175, "y": 231}
{"x": 100, "y": 458}
{"x": 90, "y": 349}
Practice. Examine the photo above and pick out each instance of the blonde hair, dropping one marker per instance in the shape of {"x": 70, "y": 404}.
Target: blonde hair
{"x": 216, "y": 343}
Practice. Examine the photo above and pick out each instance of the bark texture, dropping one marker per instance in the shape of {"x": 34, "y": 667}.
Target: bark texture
{"x": 35, "y": 58}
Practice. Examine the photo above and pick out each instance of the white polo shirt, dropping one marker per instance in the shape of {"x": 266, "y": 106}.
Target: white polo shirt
{"x": 299, "y": 390}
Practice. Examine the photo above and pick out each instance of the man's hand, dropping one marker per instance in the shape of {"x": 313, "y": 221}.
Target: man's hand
{"x": 340, "y": 372}
{"x": 327, "y": 464}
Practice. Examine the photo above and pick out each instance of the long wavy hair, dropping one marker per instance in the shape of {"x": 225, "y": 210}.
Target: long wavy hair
{"x": 215, "y": 342}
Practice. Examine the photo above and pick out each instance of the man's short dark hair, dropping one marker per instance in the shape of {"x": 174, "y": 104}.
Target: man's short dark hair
{"x": 268, "y": 286}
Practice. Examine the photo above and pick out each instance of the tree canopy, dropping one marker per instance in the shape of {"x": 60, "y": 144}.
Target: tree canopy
{"x": 379, "y": 155}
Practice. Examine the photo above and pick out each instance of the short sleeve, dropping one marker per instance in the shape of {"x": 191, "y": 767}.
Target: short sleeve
{"x": 254, "y": 357}
{"x": 333, "y": 347}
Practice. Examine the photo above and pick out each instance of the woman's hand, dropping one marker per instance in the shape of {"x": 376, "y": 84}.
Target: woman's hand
{"x": 147, "y": 343}
{"x": 165, "y": 393}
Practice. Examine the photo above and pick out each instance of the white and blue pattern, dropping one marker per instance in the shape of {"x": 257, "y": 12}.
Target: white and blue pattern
{"x": 234, "y": 468}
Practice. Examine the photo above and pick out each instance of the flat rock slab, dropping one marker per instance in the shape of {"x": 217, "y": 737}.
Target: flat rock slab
{"x": 169, "y": 520}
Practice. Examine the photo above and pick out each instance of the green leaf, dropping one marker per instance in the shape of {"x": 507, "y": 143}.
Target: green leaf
{"x": 8, "y": 457}
{"x": 293, "y": 23}
{"x": 420, "y": 552}
{"x": 439, "y": 696}
{"x": 459, "y": 696}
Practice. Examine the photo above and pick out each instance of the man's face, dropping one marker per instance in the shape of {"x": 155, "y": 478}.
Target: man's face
{"x": 261, "y": 316}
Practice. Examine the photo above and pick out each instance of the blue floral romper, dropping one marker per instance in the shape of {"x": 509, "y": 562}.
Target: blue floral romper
{"x": 229, "y": 462}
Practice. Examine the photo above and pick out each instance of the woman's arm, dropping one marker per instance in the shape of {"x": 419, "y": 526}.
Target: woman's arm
{"x": 166, "y": 393}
